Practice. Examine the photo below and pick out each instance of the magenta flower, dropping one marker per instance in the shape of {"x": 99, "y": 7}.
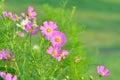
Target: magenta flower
{"x": 8, "y": 76}
{"x": 5, "y": 14}
{"x": 62, "y": 55}
{"x": 58, "y": 39}
{"x": 48, "y": 28}
{"x": 6, "y": 55}
{"x": 54, "y": 51}
{"x": 31, "y": 28}
{"x": 57, "y": 53}
{"x": 23, "y": 15}
{"x": 102, "y": 71}
{"x": 1, "y": 56}
{"x": 2, "y": 74}
{"x": 23, "y": 23}
{"x": 15, "y": 17}
{"x": 10, "y": 14}
{"x": 31, "y": 13}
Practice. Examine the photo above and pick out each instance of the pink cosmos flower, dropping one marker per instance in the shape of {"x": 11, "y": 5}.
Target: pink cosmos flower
{"x": 5, "y": 14}
{"x": 31, "y": 13}
{"x": 58, "y": 39}
{"x": 8, "y": 76}
{"x": 6, "y": 55}
{"x": 23, "y": 23}
{"x": 62, "y": 55}
{"x": 2, "y": 74}
{"x": 48, "y": 28}
{"x": 10, "y": 14}
{"x": 23, "y": 15}
{"x": 31, "y": 28}
{"x": 15, "y": 17}
{"x": 57, "y": 53}
{"x": 1, "y": 56}
{"x": 54, "y": 51}
{"x": 102, "y": 71}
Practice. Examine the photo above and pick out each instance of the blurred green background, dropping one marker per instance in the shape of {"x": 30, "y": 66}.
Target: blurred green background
{"x": 101, "y": 19}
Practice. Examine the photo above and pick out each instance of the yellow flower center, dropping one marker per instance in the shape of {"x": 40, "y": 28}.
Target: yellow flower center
{"x": 8, "y": 56}
{"x": 23, "y": 26}
{"x": 54, "y": 53}
{"x": 57, "y": 39}
{"x": 62, "y": 55}
{"x": 49, "y": 30}
{"x": 26, "y": 17}
{"x": 17, "y": 18}
{"x": 30, "y": 14}
{"x": 102, "y": 74}
{"x": 30, "y": 30}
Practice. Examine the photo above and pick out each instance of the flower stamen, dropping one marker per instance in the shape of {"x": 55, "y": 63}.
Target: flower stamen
{"x": 30, "y": 14}
{"x": 30, "y": 30}
{"x": 57, "y": 39}
{"x": 49, "y": 30}
{"x": 54, "y": 53}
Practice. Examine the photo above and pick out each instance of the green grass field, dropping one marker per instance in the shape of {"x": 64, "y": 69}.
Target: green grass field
{"x": 101, "y": 20}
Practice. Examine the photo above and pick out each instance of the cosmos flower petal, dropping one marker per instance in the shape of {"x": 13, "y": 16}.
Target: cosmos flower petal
{"x": 8, "y": 76}
{"x": 6, "y": 55}
{"x": 35, "y": 31}
{"x": 34, "y": 14}
{"x": 30, "y": 9}
{"x": 2, "y": 74}
{"x": 50, "y": 50}
{"x": 107, "y": 74}
{"x": 14, "y": 78}
{"x": 47, "y": 29}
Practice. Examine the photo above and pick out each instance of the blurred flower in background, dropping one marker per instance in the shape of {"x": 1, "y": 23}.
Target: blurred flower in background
{"x": 31, "y": 28}
{"x": 77, "y": 59}
{"x": 8, "y": 76}
{"x": 36, "y": 48}
{"x": 6, "y": 55}
{"x": 31, "y": 13}
{"x": 20, "y": 34}
{"x": 23, "y": 23}
{"x": 102, "y": 71}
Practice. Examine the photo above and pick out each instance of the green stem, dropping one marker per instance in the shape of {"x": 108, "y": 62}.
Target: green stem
{"x": 17, "y": 68}
{"x": 76, "y": 73}
{"x": 33, "y": 54}
{"x": 42, "y": 69}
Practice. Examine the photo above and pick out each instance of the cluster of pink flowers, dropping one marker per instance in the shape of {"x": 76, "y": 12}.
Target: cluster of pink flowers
{"x": 7, "y": 76}
{"x": 6, "y": 55}
{"x": 26, "y": 21}
{"x": 31, "y": 28}
{"x": 10, "y": 15}
{"x": 57, "y": 38}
